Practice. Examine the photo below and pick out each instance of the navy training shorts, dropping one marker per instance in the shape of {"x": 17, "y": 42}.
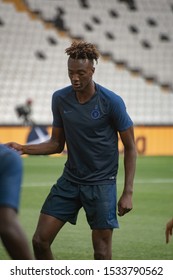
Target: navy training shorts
{"x": 99, "y": 202}
{"x": 10, "y": 177}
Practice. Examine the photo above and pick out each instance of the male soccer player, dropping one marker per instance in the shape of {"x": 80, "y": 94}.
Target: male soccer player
{"x": 11, "y": 232}
{"x": 88, "y": 117}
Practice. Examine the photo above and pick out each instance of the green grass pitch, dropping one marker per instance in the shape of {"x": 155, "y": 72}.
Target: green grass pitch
{"x": 141, "y": 235}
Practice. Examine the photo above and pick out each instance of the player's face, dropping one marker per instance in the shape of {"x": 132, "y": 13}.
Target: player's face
{"x": 80, "y": 72}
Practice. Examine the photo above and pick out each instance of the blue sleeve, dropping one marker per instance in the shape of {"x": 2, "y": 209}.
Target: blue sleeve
{"x": 57, "y": 120}
{"x": 120, "y": 117}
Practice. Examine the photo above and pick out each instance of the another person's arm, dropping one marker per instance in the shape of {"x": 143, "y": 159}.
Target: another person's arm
{"x": 54, "y": 145}
{"x": 169, "y": 230}
{"x": 125, "y": 202}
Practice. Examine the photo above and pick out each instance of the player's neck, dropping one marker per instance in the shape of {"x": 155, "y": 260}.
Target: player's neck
{"x": 87, "y": 94}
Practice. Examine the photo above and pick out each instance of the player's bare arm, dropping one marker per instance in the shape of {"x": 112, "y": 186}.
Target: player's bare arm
{"x": 54, "y": 145}
{"x": 125, "y": 201}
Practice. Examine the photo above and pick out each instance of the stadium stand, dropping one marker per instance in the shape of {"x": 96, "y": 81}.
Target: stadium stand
{"x": 135, "y": 39}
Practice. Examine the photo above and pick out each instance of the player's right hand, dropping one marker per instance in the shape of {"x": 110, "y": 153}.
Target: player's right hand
{"x": 15, "y": 146}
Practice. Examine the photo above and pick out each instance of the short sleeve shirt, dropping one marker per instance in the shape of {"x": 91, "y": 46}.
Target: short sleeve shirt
{"x": 91, "y": 133}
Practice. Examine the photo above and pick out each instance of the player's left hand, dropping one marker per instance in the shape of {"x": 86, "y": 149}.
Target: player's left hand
{"x": 124, "y": 204}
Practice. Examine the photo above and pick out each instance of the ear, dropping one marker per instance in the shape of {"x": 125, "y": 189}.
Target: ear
{"x": 93, "y": 69}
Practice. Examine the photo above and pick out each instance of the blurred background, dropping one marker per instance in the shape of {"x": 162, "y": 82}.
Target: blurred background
{"x": 135, "y": 39}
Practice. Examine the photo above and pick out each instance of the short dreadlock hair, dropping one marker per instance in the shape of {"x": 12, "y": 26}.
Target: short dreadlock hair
{"x": 83, "y": 50}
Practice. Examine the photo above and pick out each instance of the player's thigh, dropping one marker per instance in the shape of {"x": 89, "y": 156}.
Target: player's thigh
{"x": 47, "y": 228}
{"x": 63, "y": 201}
{"x": 100, "y": 204}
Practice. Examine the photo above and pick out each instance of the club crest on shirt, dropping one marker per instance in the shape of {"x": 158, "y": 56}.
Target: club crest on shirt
{"x": 95, "y": 114}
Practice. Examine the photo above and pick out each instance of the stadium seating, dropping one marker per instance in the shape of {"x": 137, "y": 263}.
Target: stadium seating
{"x": 135, "y": 39}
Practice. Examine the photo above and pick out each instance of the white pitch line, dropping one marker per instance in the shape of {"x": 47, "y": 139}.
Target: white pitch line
{"x": 139, "y": 181}
{"x": 35, "y": 185}
{"x": 154, "y": 181}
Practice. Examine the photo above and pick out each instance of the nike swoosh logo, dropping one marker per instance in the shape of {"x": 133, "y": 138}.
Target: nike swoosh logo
{"x": 67, "y": 112}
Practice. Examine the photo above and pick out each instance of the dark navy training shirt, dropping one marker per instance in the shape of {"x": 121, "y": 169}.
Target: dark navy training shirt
{"x": 91, "y": 133}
